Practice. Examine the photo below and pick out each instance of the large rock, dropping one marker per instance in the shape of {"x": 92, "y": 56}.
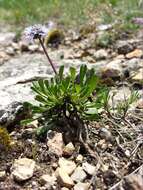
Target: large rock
{"x": 23, "y": 169}
{"x": 17, "y": 74}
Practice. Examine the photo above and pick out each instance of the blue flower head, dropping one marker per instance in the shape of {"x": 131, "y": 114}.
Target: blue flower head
{"x": 35, "y": 32}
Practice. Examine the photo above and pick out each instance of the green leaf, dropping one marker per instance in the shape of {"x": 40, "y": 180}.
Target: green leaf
{"x": 82, "y": 74}
{"x": 73, "y": 73}
{"x": 77, "y": 88}
{"x": 41, "y": 85}
{"x": 41, "y": 99}
{"x": 27, "y": 121}
{"x": 66, "y": 83}
{"x": 61, "y": 71}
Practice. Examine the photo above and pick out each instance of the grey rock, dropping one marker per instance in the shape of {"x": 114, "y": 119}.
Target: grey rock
{"x": 105, "y": 133}
{"x": 12, "y": 114}
{"x": 100, "y": 54}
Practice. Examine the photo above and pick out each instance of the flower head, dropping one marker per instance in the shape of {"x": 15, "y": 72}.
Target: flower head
{"x": 35, "y": 32}
{"x": 138, "y": 21}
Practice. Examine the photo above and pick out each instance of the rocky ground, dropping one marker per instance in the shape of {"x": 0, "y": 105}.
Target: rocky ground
{"x": 31, "y": 164}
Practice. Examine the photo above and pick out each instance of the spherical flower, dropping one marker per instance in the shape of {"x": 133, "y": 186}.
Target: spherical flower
{"x": 35, "y": 32}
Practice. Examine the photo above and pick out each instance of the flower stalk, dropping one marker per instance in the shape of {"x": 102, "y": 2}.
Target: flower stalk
{"x": 46, "y": 53}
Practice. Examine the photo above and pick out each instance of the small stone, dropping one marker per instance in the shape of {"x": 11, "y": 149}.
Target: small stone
{"x": 127, "y": 153}
{"x": 28, "y": 133}
{"x": 15, "y": 46}
{"x": 121, "y": 56}
{"x": 10, "y": 51}
{"x": 105, "y": 133}
{"x": 124, "y": 47}
{"x": 23, "y": 46}
{"x": 2, "y": 175}
{"x": 54, "y": 165}
{"x": 88, "y": 168}
{"x": 139, "y": 76}
{"x": 33, "y": 47}
{"x": 101, "y": 142}
{"x": 63, "y": 178}
{"x": 23, "y": 169}
{"x": 67, "y": 165}
{"x": 140, "y": 103}
{"x": 81, "y": 186}
{"x": 79, "y": 175}
{"x": 79, "y": 158}
{"x": 137, "y": 53}
{"x": 6, "y": 38}
{"x": 100, "y": 54}
{"x": 104, "y": 167}
{"x": 47, "y": 179}
{"x": 68, "y": 149}
{"x": 113, "y": 69}
{"x": 55, "y": 144}
{"x": 103, "y": 27}
{"x": 3, "y": 55}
